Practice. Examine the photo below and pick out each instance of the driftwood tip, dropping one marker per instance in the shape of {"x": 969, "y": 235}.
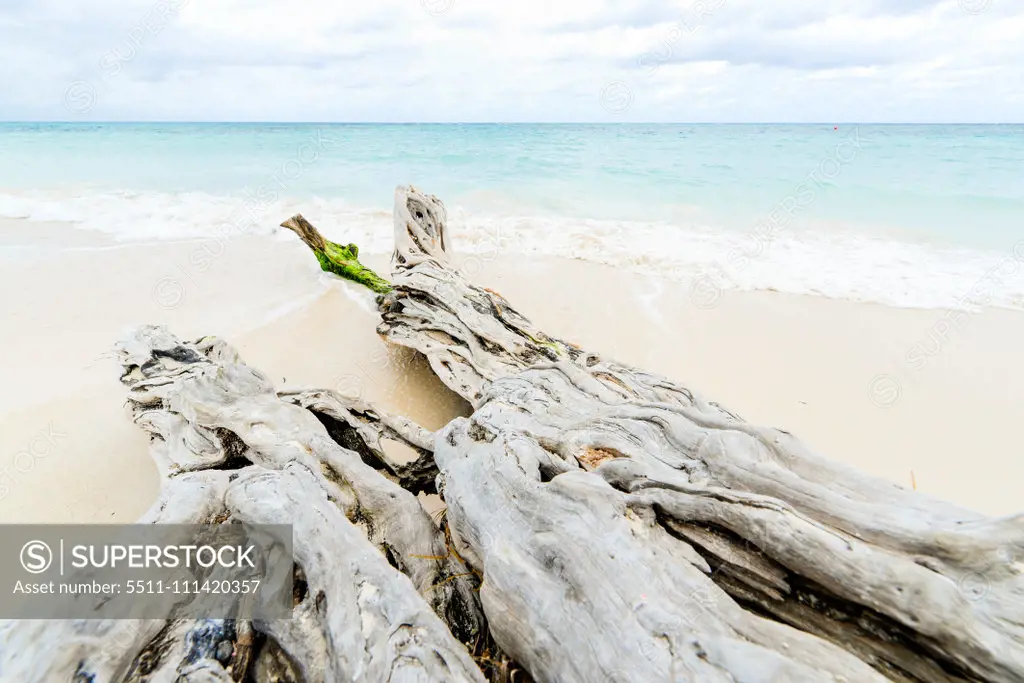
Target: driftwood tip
{"x": 304, "y": 229}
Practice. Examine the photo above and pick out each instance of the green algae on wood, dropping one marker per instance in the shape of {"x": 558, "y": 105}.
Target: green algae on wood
{"x": 342, "y": 260}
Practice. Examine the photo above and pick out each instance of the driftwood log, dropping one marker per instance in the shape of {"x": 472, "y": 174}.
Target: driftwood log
{"x": 603, "y": 524}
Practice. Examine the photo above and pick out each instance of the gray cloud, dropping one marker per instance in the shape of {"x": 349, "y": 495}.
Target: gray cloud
{"x": 777, "y": 50}
{"x": 643, "y": 15}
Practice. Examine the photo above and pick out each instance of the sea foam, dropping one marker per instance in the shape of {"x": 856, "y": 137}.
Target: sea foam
{"x": 710, "y": 260}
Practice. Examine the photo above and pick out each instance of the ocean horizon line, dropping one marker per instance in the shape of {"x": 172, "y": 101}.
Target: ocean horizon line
{"x": 519, "y": 123}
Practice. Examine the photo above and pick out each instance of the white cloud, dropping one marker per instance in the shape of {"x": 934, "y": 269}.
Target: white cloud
{"x": 477, "y": 60}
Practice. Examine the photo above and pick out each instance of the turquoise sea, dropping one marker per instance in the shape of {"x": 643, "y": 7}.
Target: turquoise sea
{"x": 908, "y": 215}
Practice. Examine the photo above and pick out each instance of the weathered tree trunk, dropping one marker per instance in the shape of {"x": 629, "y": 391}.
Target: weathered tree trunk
{"x": 629, "y": 529}
{"x": 603, "y": 524}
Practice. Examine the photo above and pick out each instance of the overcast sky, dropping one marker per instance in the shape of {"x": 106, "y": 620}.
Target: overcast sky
{"x": 527, "y": 60}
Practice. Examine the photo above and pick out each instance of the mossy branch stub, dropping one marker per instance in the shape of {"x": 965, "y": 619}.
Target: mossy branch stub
{"x": 342, "y": 260}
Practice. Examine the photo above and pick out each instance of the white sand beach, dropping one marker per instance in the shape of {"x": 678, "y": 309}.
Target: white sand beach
{"x": 834, "y": 373}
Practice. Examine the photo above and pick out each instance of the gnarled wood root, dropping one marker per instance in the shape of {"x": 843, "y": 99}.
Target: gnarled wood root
{"x": 379, "y": 596}
{"x": 630, "y": 530}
